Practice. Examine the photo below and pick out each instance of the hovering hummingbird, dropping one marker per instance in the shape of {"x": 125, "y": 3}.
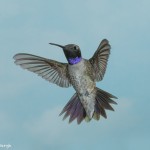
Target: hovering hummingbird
{"x": 89, "y": 101}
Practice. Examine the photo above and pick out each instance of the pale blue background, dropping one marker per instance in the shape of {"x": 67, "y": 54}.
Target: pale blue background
{"x": 29, "y": 106}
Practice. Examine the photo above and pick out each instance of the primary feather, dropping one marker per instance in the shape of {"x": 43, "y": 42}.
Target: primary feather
{"x": 50, "y": 70}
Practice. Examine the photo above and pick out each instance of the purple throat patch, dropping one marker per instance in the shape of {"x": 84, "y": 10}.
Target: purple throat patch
{"x": 73, "y": 61}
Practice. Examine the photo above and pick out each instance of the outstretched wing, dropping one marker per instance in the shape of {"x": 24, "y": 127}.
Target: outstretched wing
{"x": 50, "y": 70}
{"x": 100, "y": 58}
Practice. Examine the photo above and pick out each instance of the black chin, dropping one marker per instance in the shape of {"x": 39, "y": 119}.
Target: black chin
{"x": 72, "y": 54}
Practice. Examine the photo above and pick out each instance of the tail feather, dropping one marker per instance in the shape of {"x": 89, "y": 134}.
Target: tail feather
{"x": 75, "y": 109}
{"x": 81, "y": 114}
{"x": 101, "y": 109}
{"x": 69, "y": 104}
{"x": 106, "y": 94}
{"x": 103, "y": 101}
{"x": 71, "y": 108}
{"x": 96, "y": 115}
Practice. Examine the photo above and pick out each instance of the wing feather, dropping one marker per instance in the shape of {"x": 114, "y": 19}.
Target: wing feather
{"x": 100, "y": 58}
{"x": 51, "y": 70}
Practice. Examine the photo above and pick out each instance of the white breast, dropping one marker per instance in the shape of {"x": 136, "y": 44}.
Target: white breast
{"x": 84, "y": 86}
{"x": 79, "y": 78}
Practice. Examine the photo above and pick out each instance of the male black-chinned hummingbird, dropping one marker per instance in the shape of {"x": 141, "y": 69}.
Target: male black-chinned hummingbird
{"x": 89, "y": 101}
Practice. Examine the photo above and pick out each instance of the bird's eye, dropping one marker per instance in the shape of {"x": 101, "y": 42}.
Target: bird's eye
{"x": 75, "y": 47}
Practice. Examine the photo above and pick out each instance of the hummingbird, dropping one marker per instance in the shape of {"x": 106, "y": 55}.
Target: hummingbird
{"x": 89, "y": 102}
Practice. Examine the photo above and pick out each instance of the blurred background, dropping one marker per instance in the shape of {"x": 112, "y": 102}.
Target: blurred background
{"x": 29, "y": 105}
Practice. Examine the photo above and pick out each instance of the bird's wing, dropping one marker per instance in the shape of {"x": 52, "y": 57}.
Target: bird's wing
{"x": 100, "y": 58}
{"x": 50, "y": 70}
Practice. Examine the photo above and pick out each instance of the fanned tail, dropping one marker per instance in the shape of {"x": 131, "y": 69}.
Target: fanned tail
{"x": 103, "y": 100}
{"x": 75, "y": 109}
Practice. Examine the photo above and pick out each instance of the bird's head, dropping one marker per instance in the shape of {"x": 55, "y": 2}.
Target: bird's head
{"x": 72, "y": 53}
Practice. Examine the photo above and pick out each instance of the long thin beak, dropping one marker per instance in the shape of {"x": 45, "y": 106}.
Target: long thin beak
{"x": 57, "y": 45}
